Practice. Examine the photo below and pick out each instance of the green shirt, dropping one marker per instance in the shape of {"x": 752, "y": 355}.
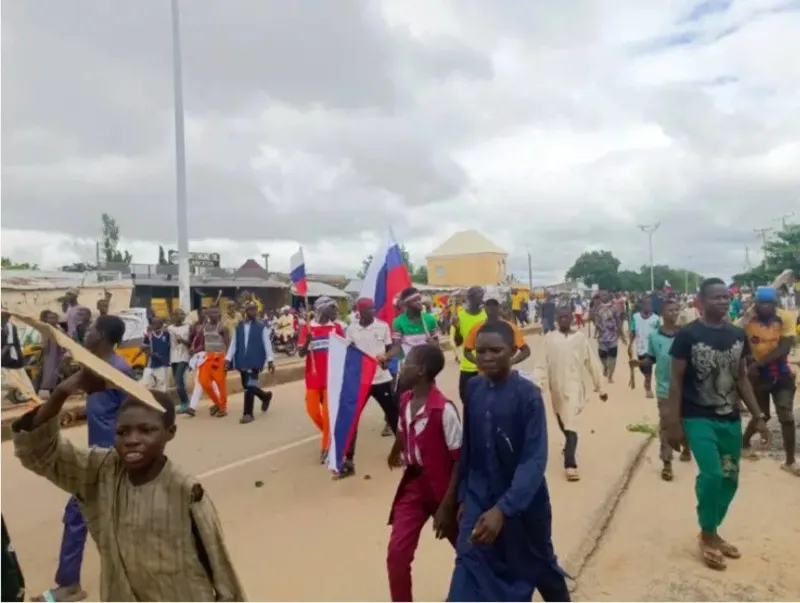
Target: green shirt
{"x": 411, "y": 333}
{"x": 658, "y": 347}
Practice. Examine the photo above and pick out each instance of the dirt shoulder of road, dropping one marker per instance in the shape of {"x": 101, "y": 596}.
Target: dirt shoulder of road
{"x": 659, "y": 517}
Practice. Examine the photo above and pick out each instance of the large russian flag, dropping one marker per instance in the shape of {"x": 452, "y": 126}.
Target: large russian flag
{"x": 350, "y": 375}
{"x": 297, "y": 271}
{"x": 386, "y": 278}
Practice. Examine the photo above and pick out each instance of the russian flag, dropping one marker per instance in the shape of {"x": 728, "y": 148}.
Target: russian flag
{"x": 386, "y": 278}
{"x": 350, "y": 375}
{"x": 297, "y": 271}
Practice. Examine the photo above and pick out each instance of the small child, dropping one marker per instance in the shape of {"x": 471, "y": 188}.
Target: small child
{"x": 156, "y": 345}
{"x": 156, "y": 530}
{"x": 658, "y": 347}
{"x": 429, "y": 440}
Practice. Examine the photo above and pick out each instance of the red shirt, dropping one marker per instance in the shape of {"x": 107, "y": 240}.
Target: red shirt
{"x": 317, "y": 371}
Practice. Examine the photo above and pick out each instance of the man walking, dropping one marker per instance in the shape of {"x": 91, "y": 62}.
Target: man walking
{"x": 249, "y": 350}
{"x": 374, "y": 338}
{"x": 708, "y": 378}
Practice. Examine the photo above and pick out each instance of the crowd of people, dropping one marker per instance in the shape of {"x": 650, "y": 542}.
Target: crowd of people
{"x": 478, "y": 474}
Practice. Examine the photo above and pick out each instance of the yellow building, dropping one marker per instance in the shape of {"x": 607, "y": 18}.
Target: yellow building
{"x": 467, "y": 258}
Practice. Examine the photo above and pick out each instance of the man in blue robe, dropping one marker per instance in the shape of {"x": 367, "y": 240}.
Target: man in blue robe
{"x": 504, "y": 550}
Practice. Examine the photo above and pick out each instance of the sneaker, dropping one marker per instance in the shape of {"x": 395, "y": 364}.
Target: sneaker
{"x": 246, "y": 419}
{"x": 190, "y": 412}
{"x": 387, "y": 431}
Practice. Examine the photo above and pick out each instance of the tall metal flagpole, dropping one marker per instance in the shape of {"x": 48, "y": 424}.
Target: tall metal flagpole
{"x": 184, "y": 275}
{"x": 650, "y": 229}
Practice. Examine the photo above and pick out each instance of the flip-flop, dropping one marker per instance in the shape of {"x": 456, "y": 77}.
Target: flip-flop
{"x": 666, "y": 474}
{"x": 727, "y": 549}
{"x": 712, "y": 557}
{"x": 51, "y": 595}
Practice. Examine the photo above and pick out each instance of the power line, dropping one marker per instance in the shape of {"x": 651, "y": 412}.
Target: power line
{"x": 650, "y": 229}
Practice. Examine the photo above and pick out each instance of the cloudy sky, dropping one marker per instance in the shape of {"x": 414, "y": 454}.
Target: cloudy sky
{"x": 552, "y": 127}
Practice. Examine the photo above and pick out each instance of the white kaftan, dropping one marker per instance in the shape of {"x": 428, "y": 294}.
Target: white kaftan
{"x": 559, "y": 372}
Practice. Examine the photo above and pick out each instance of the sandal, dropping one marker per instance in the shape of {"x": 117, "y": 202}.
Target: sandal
{"x": 750, "y": 454}
{"x": 793, "y": 469}
{"x": 686, "y": 456}
{"x": 572, "y": 474}
{"x": 213, "y": 410}
{"x": 712, "y": 557}
{"x": 221, "y": 413}
{"x": 62, "y": 593}
{"x": 728, "y": 550}
{"x": 666, "y": 473}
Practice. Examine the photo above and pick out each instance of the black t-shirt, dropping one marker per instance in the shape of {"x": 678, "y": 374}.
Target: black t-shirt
{"x": 713, "y": 356}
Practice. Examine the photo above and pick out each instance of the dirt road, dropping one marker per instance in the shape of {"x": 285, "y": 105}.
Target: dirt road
{"x": 650, "y": 552}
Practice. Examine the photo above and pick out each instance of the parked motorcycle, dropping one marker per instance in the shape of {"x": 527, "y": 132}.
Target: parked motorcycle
{"x": 285, "y": 346}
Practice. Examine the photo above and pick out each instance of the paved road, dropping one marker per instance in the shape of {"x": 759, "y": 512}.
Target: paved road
{"x": 284, "y": 536}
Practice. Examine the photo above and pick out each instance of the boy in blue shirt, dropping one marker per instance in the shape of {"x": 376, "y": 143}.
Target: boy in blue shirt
{"x": 156, "y": 345}
{"x": 659, "y": 344}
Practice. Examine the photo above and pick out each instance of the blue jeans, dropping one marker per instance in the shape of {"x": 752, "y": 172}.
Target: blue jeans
{"x": 73, "y": 542}
{"x": 178, "y": 373}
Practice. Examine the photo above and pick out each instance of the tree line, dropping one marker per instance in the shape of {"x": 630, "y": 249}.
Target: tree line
{"x": 602, "y": 268}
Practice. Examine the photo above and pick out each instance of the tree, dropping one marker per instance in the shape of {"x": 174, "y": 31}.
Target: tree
{"x": 602, "y": 268}
{"x": 406, "y": 260}
{"x": 780, "y": 253}
{"x": 162, "y": 256}
{"x": 596, "y": 268}
{"x": 111, "y": 249}
{"x": 420, "y": 275}
{"x": 8, "y": 264}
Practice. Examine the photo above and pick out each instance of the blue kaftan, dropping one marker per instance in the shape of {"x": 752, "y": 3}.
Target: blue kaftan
{"x": 503, "y": 460}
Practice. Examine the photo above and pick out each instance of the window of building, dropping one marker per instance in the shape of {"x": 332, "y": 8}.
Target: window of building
{"x": 440, "y": 271}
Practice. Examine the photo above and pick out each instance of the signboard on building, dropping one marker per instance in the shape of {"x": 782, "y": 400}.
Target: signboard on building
{"x": 205, "y": 260}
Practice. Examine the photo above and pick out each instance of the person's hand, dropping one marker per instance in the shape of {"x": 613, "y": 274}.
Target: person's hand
{"x": 228, "y": 365}
{"x": 763, "y": 431}
{"x": 444, "y": 520}
{"x": 674, "y": 433}
{"x": 394, "y": 461}
{"x": 603, "y": 397}
{"x": 271, "y": 367}
{"x": 488, "y": 527}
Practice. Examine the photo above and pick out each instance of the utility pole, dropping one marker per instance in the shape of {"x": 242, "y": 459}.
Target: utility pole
{"x": 530, "y": 272}
{"x": 783, "y": 219}
{"x": 181, "y": 204}
{"x": 97, "y": 254}
{"x": 650, "y": 229}
{"x": 763, "y": 233}
{"x": 748, "y": 265}
{"x": 686, "y": 275}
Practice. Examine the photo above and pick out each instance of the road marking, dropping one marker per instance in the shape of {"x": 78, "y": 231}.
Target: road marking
{"x": 259, "y": 456}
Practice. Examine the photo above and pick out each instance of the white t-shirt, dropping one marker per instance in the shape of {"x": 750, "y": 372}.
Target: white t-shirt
{"x": 372, "y": 340}
{"x": 451, "y": 424}
{"x": 178, "y": 352}
{"x": 643, "y": 327}
{"x": 578, "y": 308}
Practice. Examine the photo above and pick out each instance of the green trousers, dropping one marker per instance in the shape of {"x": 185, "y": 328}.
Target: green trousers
{"x": 717, "y": 449}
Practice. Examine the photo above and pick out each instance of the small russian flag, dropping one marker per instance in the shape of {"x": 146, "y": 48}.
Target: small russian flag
{"x": 350, "y": 375}
{"x": 297, "y": 271}
{"x": 386, "y": 278}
